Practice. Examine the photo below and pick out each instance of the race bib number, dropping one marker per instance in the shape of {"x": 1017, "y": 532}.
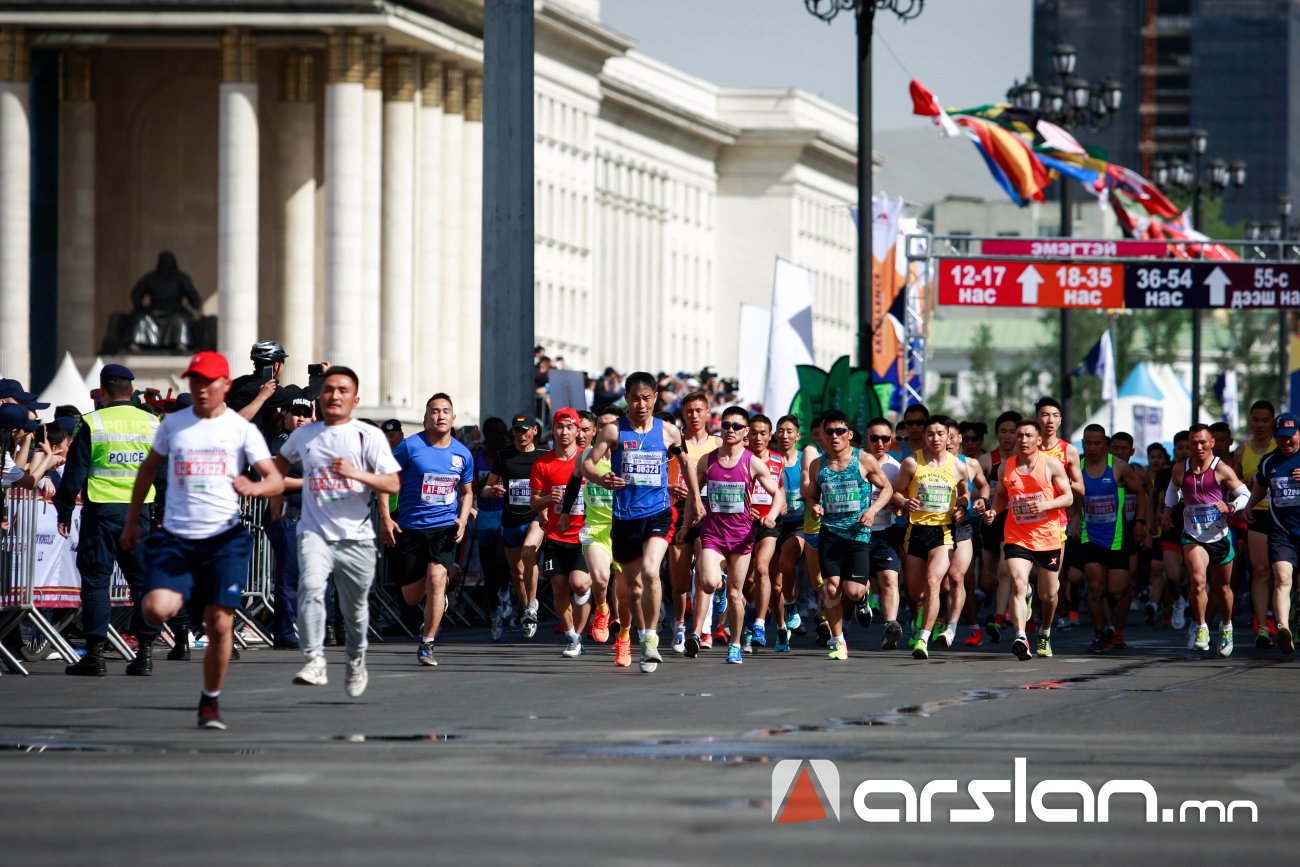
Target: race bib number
{"x": 934, "y": 496}
{"x": 438, "y": 489}
{"x": 599, "y": 497}
{"x": 201, "y": 463}
{"x": 1099, "y": 510}
{"x": 579, "y": 505}
{"x": 643, "y": 468}
{"x": 1130, "y": 509}
{"x": 841, "y": 498}
{"x": 327, "y": 487}
{"x": 727, "y": 498}
{"x": 794, "y": 499}
{"x": 759, "y": 496}
{"x": 1023, "y": 509}
{"x": 1202, "y": 518}
{"x": 1283, "y": 492}
{"x": 518, "y": 493}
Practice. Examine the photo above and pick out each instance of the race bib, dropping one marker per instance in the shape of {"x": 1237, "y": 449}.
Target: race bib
{"x": 1099, "y": 510}
{"x": 643, "y": 468}
{"x": 1202, "y": 518}
{"x": 579, "y": 506}
{"x": 759, "y": 496}
{"x": 1283, "y": 492}
{"x": 200, "y": 466}
{"x": 840, "y": 498}
{"x": 438, "y": 489}
{"x": 1130, "y": 509}
{"x": 327, "y": 487}
{"x": 794, "y": 499}
{"x": 518, "y": 493}
{"x": 727, "y": 498}
{"x": 1023, "y": 510}
{"x": 934, "y": 496}
{"x": 599, "y": 497}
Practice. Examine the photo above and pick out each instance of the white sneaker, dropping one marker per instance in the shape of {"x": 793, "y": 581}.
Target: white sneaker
{"x": 1225, "y": 641}
{"x": 358, "y": 677}
{"x": 1178, "y": 617}
{"x": 1202, "y": 638}
{"x": 948, "y": 636}
{"x": 572, "y": 650}
{"x": 313, "y": 673}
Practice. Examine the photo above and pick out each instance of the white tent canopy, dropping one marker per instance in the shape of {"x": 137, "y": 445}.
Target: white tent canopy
{"x": 67, "y": 387}
{"x": 1153, "y": 405}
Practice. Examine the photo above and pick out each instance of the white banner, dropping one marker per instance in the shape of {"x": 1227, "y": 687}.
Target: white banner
{"x": 751, "y": 352}
{"x": 57, "y": 584}
{"x": 566, "y": 389}
{"x": 791, "y": 336}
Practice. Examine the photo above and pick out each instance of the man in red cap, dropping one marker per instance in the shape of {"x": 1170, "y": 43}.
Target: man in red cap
{"x": 202, "y": 550}
{"x": 562, "y": 560}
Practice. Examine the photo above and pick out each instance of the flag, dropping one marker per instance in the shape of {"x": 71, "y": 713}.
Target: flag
{"x": 924, "y": 104}
{"x": 1147, "y": 421}
{"x": 790, "y": 341}
{"x": 1100, "y": 361}
{"x": 1142, "y": 190}
{"x": 1058, "y": 139}
{"x": 1013, "y": 164}
{"x": 1225, "y": 392}
{"x": 751, "y": 364}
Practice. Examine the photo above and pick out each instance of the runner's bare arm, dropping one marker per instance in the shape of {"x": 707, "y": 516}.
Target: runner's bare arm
{"x": 466, "y": 504}
{"x": 902, "y": 504}
{"x": 1061, "y": 481}
{"x": 384, "y": 483}
{"x": 999, "y": 504}
{"x": 272, "y": 482}
{"x": 673, "y": 438}
{"x": 872, "y": 472}
{"x": 602, "y": 448}
{"x": 1075, "y": 473}
{"x": 812, "y": 491}
{"x": 1233, "y": 487}
{"x": 979, "y": 481}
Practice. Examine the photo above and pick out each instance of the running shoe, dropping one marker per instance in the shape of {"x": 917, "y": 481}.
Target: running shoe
{"x": 497, "y": 629}
{"x": 572, "y": 650}
{"x": 1179, "y": 617}
{"x": 1262, "y": 640}
{"x": 719, "y": 603}
{"x": 975, "y": 639}
{"x": 706, "y": 641}
{"x": 679, "y": 639}
{"x": 600, "y": 626}
{"x": 1150, "y": 614}
{"x": 1285, "y": 641}
{"x": 838, "y": 650}
{"x": 1044, "y": 646}
{"x": 209, "y": 713}
{"x": 650, "y": 657}
{"x": 792, "y": 619}
{"x": 528, "y": 623}
{"x": 1117, "y": 640}
{"x": 920, "y": 650}
{"x": 1020, "y": 647}
{"x": 720, "y": 634}
{"x": 313, "y": 673}
{"x": 615, "y": 625}
{"x": 782, "y": 640}
{"x": 734, "y": 655}
{"x": 1099, "y": 644}
{"x": 623, "y": 652}
{"x": 1064, "y": 622}
{"x": 893, "y": 632}
{"x": 823, "y": 633}
{"x": 424, "y": 655}
{"x": 863, "y": 613}
{"x": 746, "y": 641}
{"x": 949, "y": 636}
{"x": 357, "y": 678}
{"x": 1225, "y": 642}
{"x": 760, "y": 633}
{"x": 691, "y": 646}
{"x": 1201, "y": 640}
{"x": 993, "y": 631}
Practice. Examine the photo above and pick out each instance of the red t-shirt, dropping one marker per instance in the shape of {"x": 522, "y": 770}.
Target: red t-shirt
{"x": 760, "y": 499}
{"x": 549, "y": 473}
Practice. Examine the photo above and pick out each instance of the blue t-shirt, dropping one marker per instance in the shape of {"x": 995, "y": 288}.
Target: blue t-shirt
{"x": 431, "y": 480}
{"x": 1283, "y": 491}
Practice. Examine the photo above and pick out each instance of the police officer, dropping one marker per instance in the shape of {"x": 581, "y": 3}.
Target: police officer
{"x": 107, "y": 451}
{"x": 259, "y": 395}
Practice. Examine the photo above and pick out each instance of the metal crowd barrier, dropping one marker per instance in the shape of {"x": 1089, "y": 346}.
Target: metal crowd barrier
{"x": 18, "y": 560}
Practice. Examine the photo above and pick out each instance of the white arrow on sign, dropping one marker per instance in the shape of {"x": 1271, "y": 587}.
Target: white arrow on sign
{"x": 1218, "y": 283}
{"x": 1029, "y": 281}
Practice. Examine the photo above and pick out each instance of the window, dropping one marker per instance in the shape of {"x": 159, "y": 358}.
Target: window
{"x": 948, "y": 384}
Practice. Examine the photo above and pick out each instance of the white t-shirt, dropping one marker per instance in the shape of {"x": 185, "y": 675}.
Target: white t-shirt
{"x": 204, "y": 457}
{"x": 890, "y": 467}
{"x": 334, "y": 507}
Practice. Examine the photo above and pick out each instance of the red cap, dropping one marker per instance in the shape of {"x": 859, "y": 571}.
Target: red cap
{"x": 209, "y": 365}
{"x": 568, "y": 414}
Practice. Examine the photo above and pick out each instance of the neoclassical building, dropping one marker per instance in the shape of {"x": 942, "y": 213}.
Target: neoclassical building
{"x": 317, "y": 168}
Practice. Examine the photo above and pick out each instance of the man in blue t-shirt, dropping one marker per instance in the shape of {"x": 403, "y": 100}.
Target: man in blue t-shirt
{"x": 432, "y": 510}
{"x": 1278, "y": 479}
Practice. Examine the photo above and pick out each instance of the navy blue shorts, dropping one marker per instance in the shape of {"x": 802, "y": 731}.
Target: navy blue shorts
{"x": 513, "y": 537}
{"x": 204, "y": 571}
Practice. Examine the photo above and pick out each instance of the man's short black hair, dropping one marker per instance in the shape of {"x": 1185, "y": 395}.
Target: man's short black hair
{"x": 832, "y": 415}
{"x": 1094, "y": 428}
{"x": 916, "y": 407}
{"x": 639, "y": 380}
{"x": 1009, "y": 416}
{"x": 441, "y": 395}
{"x": 340, "y": 370}
{"x": 1182, "y": 435}
{"x": 737, "y": 411}
{"x": 1046, "y": 401}
{"x": 1221, "y": 427}
{"x": 1123, "y": 436}
{"x": 1264, "y": 404}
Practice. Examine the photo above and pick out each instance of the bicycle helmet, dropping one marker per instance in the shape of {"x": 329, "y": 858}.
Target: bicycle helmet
{"x": 267, "y": 352}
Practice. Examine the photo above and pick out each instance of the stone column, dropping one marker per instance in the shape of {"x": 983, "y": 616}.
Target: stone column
{"x": 450, "y": 319}
{"x": 428, "y": 366}
{"x": 237, "y": 206}
{"x": 77, "y": 322}
{"x": 295, "y": 151}
{"x": 372, "y": 180}
{"x": 15, "y": 204}
{"x": 396, "y": 359}
{"x": 471, "y": 306}
{"x": 344, "y": 101}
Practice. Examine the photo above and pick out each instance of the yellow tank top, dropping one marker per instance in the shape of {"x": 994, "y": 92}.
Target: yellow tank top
{"x": 1250, "y": 461}
{"x": 935, "y": 485}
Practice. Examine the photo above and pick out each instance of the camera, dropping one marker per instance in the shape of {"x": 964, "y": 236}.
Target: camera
{"x": 315, "y": 370}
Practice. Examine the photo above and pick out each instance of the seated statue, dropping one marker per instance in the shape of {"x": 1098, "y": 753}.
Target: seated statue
{"x": 166, "y": 311}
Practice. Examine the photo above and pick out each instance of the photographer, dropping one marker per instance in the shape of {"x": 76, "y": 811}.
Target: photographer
{"x": 259, "y": 395}
{"x": 24, "y": 457}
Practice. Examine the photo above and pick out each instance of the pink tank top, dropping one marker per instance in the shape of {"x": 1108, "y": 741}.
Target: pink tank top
{"x": 727, "y": 504}
{"x": 1202, "y": 521}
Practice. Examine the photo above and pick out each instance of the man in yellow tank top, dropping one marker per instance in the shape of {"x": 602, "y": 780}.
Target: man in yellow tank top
{"x": 1259, "y": 520}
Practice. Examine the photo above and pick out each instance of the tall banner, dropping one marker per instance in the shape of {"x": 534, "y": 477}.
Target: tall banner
{"x": 751, "y": 352}
{"x": 1147, "y": 422}
{"x": 887, "y": 283}
{"x": 1293, "y": 380}
{"x": 790, "y": 341}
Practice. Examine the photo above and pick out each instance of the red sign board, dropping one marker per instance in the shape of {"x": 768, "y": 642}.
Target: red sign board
{"x": 992, "y": 283}
{"x": 1067, "y": 248}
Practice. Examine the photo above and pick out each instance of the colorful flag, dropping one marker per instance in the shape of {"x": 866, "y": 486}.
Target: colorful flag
{"x": 1013, "y": 163}
{"x": 1100, "y": 361}
{"x": 924, "y": 104}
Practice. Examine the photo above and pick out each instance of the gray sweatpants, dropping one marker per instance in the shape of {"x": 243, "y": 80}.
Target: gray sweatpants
{"x": 352, "y": 564}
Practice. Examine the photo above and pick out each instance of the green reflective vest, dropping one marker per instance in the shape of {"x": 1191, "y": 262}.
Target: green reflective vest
{"x": 121, "y": 437}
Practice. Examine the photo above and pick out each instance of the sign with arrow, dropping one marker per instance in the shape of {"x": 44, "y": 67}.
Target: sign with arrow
{"x": 993, "y": 283}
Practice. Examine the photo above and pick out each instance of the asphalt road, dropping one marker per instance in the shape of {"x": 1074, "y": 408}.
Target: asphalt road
{"x": 509, "y": 754}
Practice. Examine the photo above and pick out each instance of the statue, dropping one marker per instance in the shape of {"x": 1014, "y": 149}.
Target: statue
{"x": 166, "y": 312}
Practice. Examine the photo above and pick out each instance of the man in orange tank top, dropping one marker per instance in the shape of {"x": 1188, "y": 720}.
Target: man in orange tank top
{"x": 1036, "y": 491}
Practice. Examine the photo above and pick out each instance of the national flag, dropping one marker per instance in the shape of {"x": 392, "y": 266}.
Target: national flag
{"x": 1058, "y": 139}
{"x": 790, "y": 342}
{"x": 924, "y": 104}
{"x": 1142, "y": 190}
{"x": 1225, "y": 392}
{"x": 1100, "y": 361}
{"x": 1013, "y": 163}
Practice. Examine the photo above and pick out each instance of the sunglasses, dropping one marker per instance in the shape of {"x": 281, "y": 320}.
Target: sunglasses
{"x": 875, "y": 438}
{"x": 971, "y": 439}
{"x": 732, "y": 425}
{"x": 912, "y": 421}
{"x": 835, "y": 431}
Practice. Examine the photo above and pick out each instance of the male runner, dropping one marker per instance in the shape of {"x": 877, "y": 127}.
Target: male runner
{"x": 203, "y": 550}
{"x": 436, "y": 496}
{"x": 1107, "y": 482}
{"x": 790, "y": 543}
{"x": 994, "y": 581}
{"x": 840, "y": 494}
{"x": 1278, "y": 480}
{"x": 812, "y": 524}
{"x": 521, "y": 532}
{"x": 1171, "y": 550}
{"x": 1204, "y": 484}
{"x": 934, "y": 491}
{"x": 1036, "y": 490}
{"x": 343, "y": 460}
{"x": 638, "y": 447}
{"x": 730, "y": 475}
{"x": 697, "y": 442}
{"x": 767, "y": 510}
{"x": 1259, "y": 520}
{"x": 960, "y": 580}
{"x": 914, "y": 418}
{"x": 886, "y": 535}
{"x": 562, "y": 560}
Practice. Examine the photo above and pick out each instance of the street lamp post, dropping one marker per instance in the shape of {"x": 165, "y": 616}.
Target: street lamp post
{"x": 864, "y": 13}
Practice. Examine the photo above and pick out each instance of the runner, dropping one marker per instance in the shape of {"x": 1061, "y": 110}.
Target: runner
{"x": 994, "y": 580}
{"x": 1033, "y": 533}
{"x": 790, "y": 543}
{"x": 342, "y": 460}
{"x": 638, "y": 447}
{"x": 1203, "y": 483}
{"x": 812, "y": 524}
{"x": 839, "y": 493}
{"x": 886, "y": 538}
{"x": 1259, "y": 520}
{"x": 933, "y": 490}
{"x": 767, "y": 510}
{"x": 682, "y": 556}
{"x": 914, "y": 418}
{"x": 562, "y": 560}
{"x": 1135, "y": 491}
{"x": 1048, "y": 412}
{"x": 1171, "y": 550}
{"x": 487, "y": 529}
{"x": 959, "y": 583}
{"x": 1278, "y": 480}
{"x": 201, "y": 554}
{"x": 521, "y": 532}
{"x": 1107, "y": 482}
{"x": 433, "y": 509}
{"x": 730, "y": 475}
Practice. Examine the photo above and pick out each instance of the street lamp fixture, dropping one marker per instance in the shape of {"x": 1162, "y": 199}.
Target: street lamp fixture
{"x": 1200, "y": 140}
{"x": 1063, "y": 59}
{"x": 1284, "y": 206}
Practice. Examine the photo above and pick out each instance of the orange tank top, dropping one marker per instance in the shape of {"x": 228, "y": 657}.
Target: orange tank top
{"x": 1023, "y": 528}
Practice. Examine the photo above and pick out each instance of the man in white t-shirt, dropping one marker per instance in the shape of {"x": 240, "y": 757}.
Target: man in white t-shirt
{"x": 202, "y": 549}
{"x": 343, "y": 460}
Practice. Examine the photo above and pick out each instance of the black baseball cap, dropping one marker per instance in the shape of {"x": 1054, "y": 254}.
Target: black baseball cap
{"x": 524, "y": 421}
{"x": 14, "y": 417}
{"x": 116, "y": 371}
{"x": 390, "y": 426}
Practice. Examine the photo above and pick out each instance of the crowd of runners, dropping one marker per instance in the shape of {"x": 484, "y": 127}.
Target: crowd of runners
{"x": 709, "y": 531}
